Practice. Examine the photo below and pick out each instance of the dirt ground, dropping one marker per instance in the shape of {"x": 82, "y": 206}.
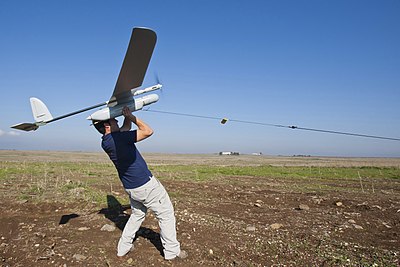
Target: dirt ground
{"x": 238, "y": 220}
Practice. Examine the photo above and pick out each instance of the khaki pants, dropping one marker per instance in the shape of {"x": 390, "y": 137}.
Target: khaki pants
{"x": 151, "y": 195}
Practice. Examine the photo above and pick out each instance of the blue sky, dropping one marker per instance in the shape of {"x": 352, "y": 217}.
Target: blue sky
{"x": 320, "y": 64}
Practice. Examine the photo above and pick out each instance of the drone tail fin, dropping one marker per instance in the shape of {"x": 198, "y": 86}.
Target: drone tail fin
{"x": 41, "y": 113}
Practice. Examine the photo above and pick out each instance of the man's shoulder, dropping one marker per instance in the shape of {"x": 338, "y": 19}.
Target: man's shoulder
{"x": 127, "y": 135}
{"x": 119, "y": 136}
{"x": 118, "y": 133}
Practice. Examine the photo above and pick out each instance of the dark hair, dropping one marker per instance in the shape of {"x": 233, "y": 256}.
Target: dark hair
{"x": 99, "y": 125}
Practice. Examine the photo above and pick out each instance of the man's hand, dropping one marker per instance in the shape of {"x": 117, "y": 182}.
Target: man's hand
{"x": 143, "y": 130}
{"x": 128, "y": 114}
{"x": 128, "y": 119}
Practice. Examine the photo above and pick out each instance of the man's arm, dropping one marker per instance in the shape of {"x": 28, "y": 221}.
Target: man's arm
{"x": 143, "y": 130}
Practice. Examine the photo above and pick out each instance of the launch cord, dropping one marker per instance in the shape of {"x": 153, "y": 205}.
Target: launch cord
{"x": 224, "y": 120}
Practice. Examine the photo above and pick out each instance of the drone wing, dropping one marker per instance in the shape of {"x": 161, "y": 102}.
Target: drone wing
{"x": 135, "y": 64}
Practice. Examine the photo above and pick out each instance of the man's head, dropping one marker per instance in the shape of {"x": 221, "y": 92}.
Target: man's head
{"x": 100, "y": 127}
{"x": 106, "y": 127}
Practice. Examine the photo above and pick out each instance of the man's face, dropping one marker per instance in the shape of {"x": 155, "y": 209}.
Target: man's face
{"x": 113, "y": 125}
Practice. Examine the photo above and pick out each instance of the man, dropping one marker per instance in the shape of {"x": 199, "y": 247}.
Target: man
{"x": 144, "y": 190}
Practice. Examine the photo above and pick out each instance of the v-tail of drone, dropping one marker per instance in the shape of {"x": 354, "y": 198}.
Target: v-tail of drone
{"x": 131, "y": 76}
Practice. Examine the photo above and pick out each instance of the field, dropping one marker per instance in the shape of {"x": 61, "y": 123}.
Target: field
{"x": 68, "y": 209}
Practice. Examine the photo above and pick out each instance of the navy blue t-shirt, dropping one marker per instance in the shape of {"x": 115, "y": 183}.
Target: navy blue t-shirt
{"x": 131, "y": 167}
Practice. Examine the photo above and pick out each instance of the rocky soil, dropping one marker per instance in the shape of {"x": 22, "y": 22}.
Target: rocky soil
{"x": 234, "y": 221}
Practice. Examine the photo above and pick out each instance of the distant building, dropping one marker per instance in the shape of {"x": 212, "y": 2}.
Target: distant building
{"x": 257, "y": 153}
{"x": 230, "y": 153}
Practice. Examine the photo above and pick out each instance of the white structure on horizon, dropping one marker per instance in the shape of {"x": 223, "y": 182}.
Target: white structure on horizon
{"x": 230, "y": 153}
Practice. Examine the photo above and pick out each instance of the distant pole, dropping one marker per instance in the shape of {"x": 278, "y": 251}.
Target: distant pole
{"x": 359, "y": 176}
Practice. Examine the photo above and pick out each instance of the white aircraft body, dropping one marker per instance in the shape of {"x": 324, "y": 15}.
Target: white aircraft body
{"x": 131, "y": 76}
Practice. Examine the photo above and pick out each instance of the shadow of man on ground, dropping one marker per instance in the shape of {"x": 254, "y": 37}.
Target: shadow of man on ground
{"x": 115, "y": 212}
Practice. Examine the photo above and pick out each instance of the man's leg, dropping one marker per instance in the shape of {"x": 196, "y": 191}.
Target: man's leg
{"x": 132, "y": 226}
{"x": 159, "y": 202}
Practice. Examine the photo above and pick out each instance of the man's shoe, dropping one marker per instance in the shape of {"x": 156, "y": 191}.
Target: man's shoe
{"x": 124, "y": 254}
{"x": 182, "y": 255}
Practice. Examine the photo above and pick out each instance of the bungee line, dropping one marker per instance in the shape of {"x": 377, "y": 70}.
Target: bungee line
{"x": 224, "y": 120}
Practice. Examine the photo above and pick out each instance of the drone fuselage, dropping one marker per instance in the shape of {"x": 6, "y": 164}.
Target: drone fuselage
{"x": 114, "y": 109}
{"x": 134, "y": 104}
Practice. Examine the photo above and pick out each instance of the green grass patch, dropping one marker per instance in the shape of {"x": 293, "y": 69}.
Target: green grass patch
{"x": 294, "y": 178}
{"x": 205, "y": 172}
{"x": 93, "y": 181}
